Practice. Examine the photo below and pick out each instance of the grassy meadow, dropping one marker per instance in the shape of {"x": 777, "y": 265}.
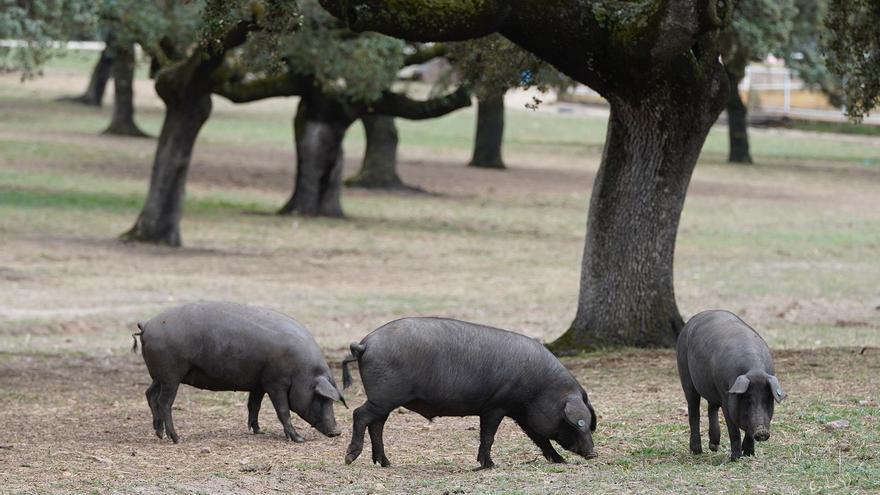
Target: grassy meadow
{"x": 791, "y": 244}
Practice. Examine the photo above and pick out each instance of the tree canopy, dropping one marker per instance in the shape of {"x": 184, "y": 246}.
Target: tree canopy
{"x": 852, "y": 43}
{"x": 758, "y": 28}
{"x": 37, "y": 24}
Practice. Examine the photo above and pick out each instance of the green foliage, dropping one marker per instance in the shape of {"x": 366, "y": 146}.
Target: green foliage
{"x": 758, "y": 28}
{"x": 147, "y": 22}
{"x": 359, "y": 66}
{"x": 805, "y": 51}
{"x": 493, "y": 64}
{"x": 274, "y": 17}
{"x": 37, "y": 24}
{"x": 853, "y": 48}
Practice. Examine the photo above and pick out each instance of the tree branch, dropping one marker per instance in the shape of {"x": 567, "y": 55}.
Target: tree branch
{"x": 268, "y": 87}
{"x": 398, "y": 105}
{"x": 603, "y": 40}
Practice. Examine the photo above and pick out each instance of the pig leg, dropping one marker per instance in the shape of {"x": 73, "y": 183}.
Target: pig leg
{"x": 543, "y": 443}
{"x": 693, "y": 401}
{"x": 167, "y": 394}
{"x": 152, "y": 394}
{"x": 282, "y": 408}
{"x": 363, "y": 417}
{"x": 714, "y": 428}
{"x": 749, "y": 446}
{"x": 255, "y": 399}
{"x": 733, "y": 432}
{"x": 376, "y": 429}
{"x": 489, "y": 423}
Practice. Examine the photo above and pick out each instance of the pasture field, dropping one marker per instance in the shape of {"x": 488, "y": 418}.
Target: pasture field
{"x": 791, "y": 244}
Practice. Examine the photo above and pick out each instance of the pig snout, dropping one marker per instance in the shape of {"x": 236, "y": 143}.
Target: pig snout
{"x": 762, "y": 434}
{"x": 586, "y": 450}
{"x": 329, "y": 430}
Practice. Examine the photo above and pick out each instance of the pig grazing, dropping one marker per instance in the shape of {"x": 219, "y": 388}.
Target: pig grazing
{"x": 227, "y": 346}
{"x": 442, "y": 367}
{"x": 726, "y": 362}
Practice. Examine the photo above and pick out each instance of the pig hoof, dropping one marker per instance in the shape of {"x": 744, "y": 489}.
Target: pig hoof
{"x": 383, "y": 461}
{"x": 713, "y": 447}
{"x": 349, "y": 458}
{"x": 298, "y": 439}
{"x": 160, "y": 434}
{"x": 697, "y": 450}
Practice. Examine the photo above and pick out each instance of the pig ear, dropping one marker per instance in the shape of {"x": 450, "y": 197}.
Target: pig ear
{"x": 325, "y": 388}
{"x": 740, "y": 386}
{"x": 576, "y": 413}
{"x": 592, "y": 416}
{"x": 776, "y": 389}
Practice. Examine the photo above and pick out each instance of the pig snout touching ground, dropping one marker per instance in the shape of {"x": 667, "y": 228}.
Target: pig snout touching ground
{"x": 726, "y": 362}
{"x": 442, "y": 367}
{"x": 227, "y": 346}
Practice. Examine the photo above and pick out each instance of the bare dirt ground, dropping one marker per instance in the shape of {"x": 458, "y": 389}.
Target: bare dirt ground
{"x": 791, "y": 246}
{"x": 81, "y": 424}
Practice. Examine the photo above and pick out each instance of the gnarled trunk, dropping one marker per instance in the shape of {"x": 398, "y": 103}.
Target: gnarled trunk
{"x": 379, "y": 169}
{"x": 490, "y": 133}
{"x": 627, "y": 296}
{"x": 159, "y": 221}
{"x": 122, "y": 123}
{"x": 319, "y": 128}
{"x": 737, "y": 122}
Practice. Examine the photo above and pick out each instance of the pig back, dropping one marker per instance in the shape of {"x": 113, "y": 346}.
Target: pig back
{"x": 454, "y": 366}
{"x": 227, "y": 346}
{"x": 719, "y": 347}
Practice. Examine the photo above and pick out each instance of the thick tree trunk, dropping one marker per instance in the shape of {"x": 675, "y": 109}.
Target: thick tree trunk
{"x": 94, "y": 95}
{"x": 159, "y": 221}
{"x": 490, "y": 133}
{"x": 122, "y": 123}
{"x": 737, "y": 122}
{"x": 379, "y": 169}
{"x": 319, "y": 128}
{"x": 627, "y": 296}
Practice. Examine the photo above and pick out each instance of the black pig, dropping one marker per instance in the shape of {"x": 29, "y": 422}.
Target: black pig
{"x": 725, "y": 361}
{"x": 442, "y": 367}
{"x": 227, "y": 346}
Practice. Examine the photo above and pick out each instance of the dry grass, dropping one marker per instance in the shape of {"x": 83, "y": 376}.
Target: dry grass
{"x": 791, "y": 244}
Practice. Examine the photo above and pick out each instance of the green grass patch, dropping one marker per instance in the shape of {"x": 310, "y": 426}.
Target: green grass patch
{"x": 836, "y": 127}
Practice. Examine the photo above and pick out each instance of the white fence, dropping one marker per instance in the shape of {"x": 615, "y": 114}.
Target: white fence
{"x": 67, "y": 45}
{"x": 760, "y": 78}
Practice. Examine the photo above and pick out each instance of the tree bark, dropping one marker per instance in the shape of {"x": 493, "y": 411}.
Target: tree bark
{"x": 379, "y": 169}
{"x": 737, "y": 122}
{"x": 319, "y": 128}
{"x": 123, "y": 123}
{"x": 94, "y": 95}
{"x": 159, "y": 221}
{"x": 490, "y": 133}
{"x": 627, "y": 295}
{"x": 185, "y": 86}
